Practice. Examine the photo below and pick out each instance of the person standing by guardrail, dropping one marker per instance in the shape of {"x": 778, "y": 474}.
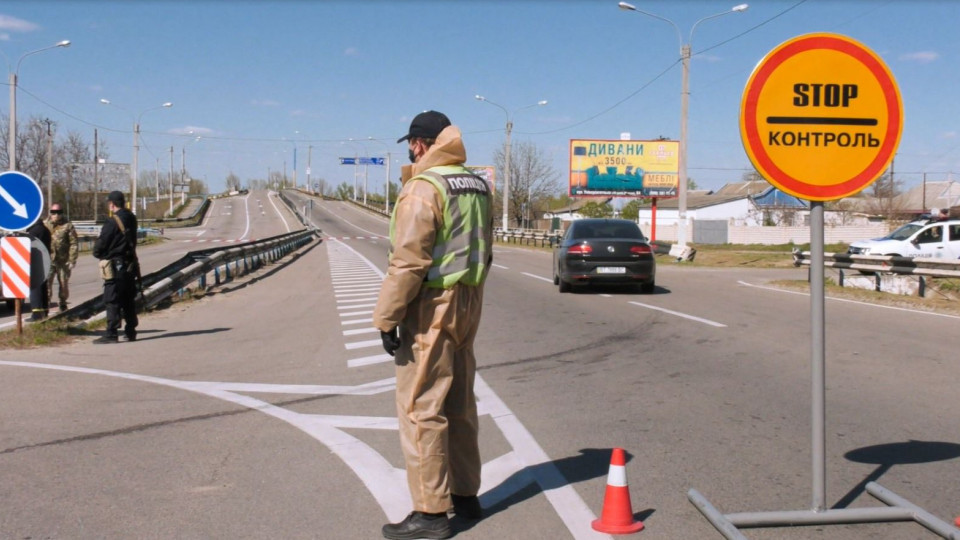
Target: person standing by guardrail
{"x": 428, "y": 312}
{"x": 116, "y": 247}
{"x": 64, "y": 248}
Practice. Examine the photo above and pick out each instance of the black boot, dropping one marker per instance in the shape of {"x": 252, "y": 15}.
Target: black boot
{"x": 467, "y": 506}
{"x": 419, "y": 525}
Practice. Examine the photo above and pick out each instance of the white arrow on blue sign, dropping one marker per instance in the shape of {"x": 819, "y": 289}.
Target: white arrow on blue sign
{"x": 21, "y": 201}
{"x": 371, "y": 161}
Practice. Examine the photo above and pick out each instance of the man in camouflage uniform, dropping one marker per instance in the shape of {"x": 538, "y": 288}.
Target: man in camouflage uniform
{"x": 64, "y": 249}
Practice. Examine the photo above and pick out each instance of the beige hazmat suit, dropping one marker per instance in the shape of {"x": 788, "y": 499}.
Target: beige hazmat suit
{"x": 436, "y": 365}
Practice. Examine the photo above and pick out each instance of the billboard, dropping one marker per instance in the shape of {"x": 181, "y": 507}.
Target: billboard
{"x": 487, "y": 172}
{"x": 614, "y": 168}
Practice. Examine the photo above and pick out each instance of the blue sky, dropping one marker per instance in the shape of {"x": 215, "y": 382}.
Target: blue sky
{"x": 256, "y": 79}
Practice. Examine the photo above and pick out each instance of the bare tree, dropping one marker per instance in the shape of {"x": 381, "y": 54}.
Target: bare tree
{"x": 886, "y": 202}
{"x": 233, "y": 182}
{"x": 532, "y": 179}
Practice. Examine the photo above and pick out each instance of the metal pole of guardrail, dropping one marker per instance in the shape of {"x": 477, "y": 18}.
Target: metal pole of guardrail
{"x": 818, "y": 356}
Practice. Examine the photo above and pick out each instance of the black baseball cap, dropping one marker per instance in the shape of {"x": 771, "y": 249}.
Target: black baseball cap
{"x": 116, "y": 197}
{"x": 426, "y": 125}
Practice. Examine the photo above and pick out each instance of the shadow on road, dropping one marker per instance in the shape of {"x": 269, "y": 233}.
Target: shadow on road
{"x": 179, "y": 334}
{"x": 890, "y": 454}
{"x": 526, "y": 483}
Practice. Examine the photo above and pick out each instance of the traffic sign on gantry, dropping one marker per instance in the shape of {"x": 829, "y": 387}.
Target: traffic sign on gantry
{"x": 21, "y": 201}
{"x": 821, "y": 117}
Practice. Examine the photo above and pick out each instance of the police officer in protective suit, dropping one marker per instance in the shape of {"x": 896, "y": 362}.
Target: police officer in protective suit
{"x": 428, "y": 311}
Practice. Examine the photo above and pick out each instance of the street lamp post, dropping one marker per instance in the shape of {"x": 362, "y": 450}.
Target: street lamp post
{"x": 183, "y": 167}
{"x": 356, "y": 160}
{"x": 506, "y": 154}
{"x": 136, "y": 147}
{"x": 684, "y": 105}
{"x": 386, "y": 188}
{"x": 12, "y": 142}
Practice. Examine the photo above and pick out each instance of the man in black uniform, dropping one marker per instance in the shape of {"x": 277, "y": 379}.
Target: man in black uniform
{"x": 117, "y": 250}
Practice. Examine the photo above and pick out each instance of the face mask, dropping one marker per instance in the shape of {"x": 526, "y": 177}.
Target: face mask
{"x": 413, "y": 158}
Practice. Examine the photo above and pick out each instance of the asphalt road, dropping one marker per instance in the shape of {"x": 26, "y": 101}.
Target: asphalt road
{"x": 266, "y": 411}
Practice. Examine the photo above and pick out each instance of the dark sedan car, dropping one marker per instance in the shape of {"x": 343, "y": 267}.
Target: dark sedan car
{"x": 604, "y": 251}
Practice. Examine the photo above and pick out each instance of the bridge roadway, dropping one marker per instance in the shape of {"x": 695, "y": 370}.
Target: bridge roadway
{"x": 267, "y": 411}
{"x": 229, "y": 220}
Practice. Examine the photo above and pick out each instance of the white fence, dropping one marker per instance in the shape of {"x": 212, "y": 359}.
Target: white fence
{"x": 743, "y": 234}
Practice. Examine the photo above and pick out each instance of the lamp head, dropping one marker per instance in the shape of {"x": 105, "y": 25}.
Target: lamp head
{"x": 740, "y": 7}
{"x": 167, "y": 104}
{"x": 105, "y": 101}
{"x": 626, "y": 6}
{"x": 541, "y": 103}
{"x": 64, "y": 43}
{"x": 479, "y": 97}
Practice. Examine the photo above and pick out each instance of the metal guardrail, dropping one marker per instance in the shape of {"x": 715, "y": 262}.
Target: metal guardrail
{"x": 884, "y": 263}
{"x": 195, "y": 266}
{"x": 884, "y": 267}
{"x": 529, "y": 236}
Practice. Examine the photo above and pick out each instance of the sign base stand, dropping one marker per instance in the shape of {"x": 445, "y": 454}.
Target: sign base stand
{"x": 899, "y": 509}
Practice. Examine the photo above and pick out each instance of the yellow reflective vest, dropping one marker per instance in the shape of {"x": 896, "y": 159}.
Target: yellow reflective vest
{"x": 462, "y": 252}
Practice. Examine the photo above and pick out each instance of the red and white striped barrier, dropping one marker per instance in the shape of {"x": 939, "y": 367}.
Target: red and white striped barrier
{"x": 15, "y": 266}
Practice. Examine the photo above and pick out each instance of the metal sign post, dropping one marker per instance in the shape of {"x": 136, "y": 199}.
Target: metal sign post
{"x": 821, "y": 119}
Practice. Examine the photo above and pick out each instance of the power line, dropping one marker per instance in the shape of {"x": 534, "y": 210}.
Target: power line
{"x": 752, "y": 28}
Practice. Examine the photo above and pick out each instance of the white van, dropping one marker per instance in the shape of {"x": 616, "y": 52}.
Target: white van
{"x": 920, "y": 239}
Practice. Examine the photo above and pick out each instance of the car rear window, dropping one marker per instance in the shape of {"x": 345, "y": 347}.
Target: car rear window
{"x": 606, "y": 230}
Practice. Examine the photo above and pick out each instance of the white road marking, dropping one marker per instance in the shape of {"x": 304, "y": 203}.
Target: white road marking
{"x": 269, "y": 198}
{"x": 201, "y": 233}
{"x": 355, "y": 306}
{"x": 800, "y": 293}
{"x": 354, "y": 313}
{"x": 500, "y": 266}
{"x": 364, "y": 344}
{"x": 354, "y": 300}
{"x": 246, "y": 210}
{"x": 369, "y": 360}
{"x": 358, "y": 331}
{"x": 534, "y": 276}
{"x": 356, "y": 321}
{"x": 348, "y": 222}
{"x": 678, "y": 314}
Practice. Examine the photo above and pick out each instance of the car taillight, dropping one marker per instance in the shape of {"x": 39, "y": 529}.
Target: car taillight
{"x": 641, "y": 250}
{"x": 579, "y": 249}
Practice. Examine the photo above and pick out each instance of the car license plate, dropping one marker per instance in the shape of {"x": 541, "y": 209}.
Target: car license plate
{"x": 611, "y": 270}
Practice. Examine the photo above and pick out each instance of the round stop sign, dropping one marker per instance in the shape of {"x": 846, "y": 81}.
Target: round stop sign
{"x": 821, "y": 117}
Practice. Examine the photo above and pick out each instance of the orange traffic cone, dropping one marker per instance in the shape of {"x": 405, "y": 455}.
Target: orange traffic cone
{"x": 617, "y": 516}
{"x": 957, "y": 521}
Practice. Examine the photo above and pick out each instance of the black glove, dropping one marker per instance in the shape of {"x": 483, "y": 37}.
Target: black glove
{"x": 391, "y": 341}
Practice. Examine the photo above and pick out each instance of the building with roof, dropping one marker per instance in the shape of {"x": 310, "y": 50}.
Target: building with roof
{"x": 741, "y": 203}
{"x": 924, "y": 198}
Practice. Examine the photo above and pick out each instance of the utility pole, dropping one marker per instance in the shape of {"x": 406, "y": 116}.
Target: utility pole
{"x": 309, "y": 157}
{"x": 49, "y": 163}
{"x": 171, "y": 181}
{"x": 96, "y": 174}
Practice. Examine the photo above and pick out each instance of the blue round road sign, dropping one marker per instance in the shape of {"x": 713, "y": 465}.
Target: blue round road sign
{"x": 21, "y": 201}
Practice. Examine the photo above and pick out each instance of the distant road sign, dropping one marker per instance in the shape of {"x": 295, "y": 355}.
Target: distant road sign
{"x": 371, "y": 161}
{"x": 348, "y": 161}
{"x": 21, "y": 201}
{"x": 821, "y": 117}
